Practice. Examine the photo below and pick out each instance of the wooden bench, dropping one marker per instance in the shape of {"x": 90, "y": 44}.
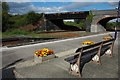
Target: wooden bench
{"x": 89, "y": 53}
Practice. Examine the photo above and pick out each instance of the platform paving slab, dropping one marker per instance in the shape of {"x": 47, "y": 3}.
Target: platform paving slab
{"x": 55, "y": 68}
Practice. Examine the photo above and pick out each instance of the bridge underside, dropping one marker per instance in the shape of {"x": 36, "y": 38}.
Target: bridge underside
{"x": 104, "y": 21}
{"x": 60, "y": 24}
{"x": 55, "y": 21}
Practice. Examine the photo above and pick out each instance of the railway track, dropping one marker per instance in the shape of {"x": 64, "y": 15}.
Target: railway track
{"x": 22, "y": 40}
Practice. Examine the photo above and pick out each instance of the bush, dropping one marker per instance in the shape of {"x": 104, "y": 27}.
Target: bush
{"x": 80, "y": 25}
{"x": 10, "y": 21}
{"x": 112, "y": 25}
{"x": 32, "y": 17}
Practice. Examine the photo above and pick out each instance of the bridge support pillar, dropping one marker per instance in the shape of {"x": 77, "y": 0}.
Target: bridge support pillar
{"x": 88, "y": 24}
{"x": 97, "y": 28}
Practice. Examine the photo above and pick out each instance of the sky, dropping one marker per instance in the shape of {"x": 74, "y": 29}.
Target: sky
{"x": 60, "y": 6}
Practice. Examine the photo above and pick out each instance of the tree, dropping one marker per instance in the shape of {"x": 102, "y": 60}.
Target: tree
{"x": 5, "y": 16}
{"x": 5, "y": 21}
{"x": 90, "y": 16}
{"x": 32, "y": 17}
{"x": 5, "y": 7}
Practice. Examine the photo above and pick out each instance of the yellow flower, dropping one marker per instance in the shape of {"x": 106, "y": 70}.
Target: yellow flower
{"x": 37, "y": 52}
{"x": 44, "y": 55}
{"x": 46, "y": 50}
{"x": 87, "y": 42}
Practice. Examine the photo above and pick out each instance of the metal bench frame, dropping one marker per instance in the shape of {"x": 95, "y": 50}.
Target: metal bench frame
{"x": 76, "y": 63}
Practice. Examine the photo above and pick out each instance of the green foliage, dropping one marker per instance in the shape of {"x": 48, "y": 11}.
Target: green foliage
{"x": 0, "y": 16}
{"x": 10, "y": 22}
{"x": 32, "y": 17}
{"x": 90, "y": 16}
{"x": 80, "y": 25}
{"x": 5, "y": 7}
{"x": 26, "y": 33}
{"x": 5, "y": 17}
{"x": 18, "y": 20}
{"x": 22, "y": 20}
{"x": 112, "y": 25}
{"x": 5, "y": 21}
{"x": 77, "y": 21}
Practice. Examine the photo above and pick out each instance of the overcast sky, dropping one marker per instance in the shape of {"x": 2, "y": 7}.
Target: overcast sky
{"x": 58, "y": 6}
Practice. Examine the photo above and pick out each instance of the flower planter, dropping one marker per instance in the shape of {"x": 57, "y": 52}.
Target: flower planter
{"x": 39, "y": 59}
{"x": 43, "y": 55}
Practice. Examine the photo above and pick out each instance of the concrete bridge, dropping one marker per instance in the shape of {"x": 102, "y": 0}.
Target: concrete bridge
{"x": 98, "y": 24}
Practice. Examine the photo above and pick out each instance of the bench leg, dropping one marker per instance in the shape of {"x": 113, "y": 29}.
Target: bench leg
{"x": 96, "y": 59}
{"x": 75, "y": 70}
{"x": 109, "y": 52}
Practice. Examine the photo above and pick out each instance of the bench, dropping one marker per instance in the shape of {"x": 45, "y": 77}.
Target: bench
{"x": 89, "y": 53}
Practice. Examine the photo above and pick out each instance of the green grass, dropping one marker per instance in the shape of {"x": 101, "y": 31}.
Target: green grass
{"x": 35, "y": 34}
{"x": 26, "y": 33}
{"x": 0, "y": 34}
{"x": 80, "y": 25}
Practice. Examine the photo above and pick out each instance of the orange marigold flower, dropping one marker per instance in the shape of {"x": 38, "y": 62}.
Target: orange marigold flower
{"x": 44, "y": 52}
{"x": 107, "y": 37}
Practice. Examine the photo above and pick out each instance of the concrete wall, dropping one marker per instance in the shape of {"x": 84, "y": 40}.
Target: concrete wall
{"x": 97, "y": 28}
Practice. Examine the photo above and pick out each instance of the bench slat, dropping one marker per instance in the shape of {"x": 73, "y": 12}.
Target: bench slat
{"x": 71, "y": 57}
